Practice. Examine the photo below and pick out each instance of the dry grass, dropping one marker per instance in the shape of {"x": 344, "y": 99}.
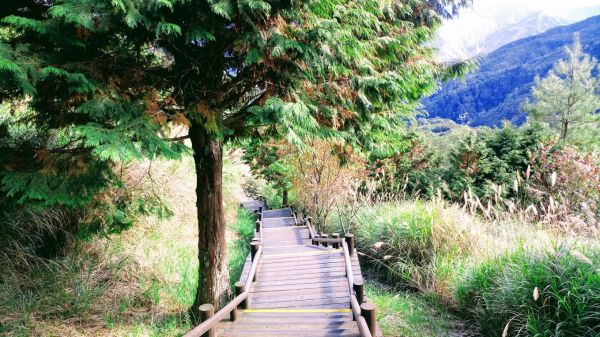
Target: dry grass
{"x": 428, "y": 244}
{"x": 137, "y": 283}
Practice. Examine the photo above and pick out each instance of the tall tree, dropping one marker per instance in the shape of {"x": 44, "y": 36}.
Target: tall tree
{"x": 103, "y": 80}
{"x": 570, "y": 94}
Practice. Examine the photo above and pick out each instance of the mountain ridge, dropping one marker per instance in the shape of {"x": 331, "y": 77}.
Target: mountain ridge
{"x": 495, "y": 92}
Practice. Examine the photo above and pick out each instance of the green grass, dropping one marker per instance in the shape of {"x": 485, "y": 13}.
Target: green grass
{"x": 403, "y": 314}
{"x": 411, "y": 243}
{"x": 541, "y": 294}
{"x": 488, "y": 272}
{"x": 238, "y": 250}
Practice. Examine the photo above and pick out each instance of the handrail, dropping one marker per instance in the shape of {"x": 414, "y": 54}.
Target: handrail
{"x": 311, "y": 231}
{"x": 363, "y": 328}
{"x": 205, "y": 326}
{"x": 199, "y": 330}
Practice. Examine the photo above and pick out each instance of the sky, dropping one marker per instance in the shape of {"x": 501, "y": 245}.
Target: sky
{"x": 484, "y": 17}
{"x": 570, "y": 10}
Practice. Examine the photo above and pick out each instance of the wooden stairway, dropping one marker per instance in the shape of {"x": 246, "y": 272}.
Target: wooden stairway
{"x": 301, "y": 289}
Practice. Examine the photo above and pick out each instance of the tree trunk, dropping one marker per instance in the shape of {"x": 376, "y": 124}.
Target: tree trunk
{"x": 285, "y": 198}
{"x": 563, "y": 130}
{"x": 213, "y": 275}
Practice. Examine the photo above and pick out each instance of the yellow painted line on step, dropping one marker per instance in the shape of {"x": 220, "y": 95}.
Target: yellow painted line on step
{"x": 304, "y": 253}
{"x": 288, "y": 246}
{"x": 294, "y": 311}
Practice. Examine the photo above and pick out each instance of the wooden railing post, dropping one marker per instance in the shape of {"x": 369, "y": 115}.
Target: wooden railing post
{"x": 325, "y": 236}
{"x": 253, "y": 250}
{"x": 296, "y": 218}
{"x": 335, "y": 245}
{"x": 359, "y": 290}
{"x": 206, "y": 312}
{"x": 350, "y": 242}
{"x": 240, "y": 287}
{"x": 315, "y": 242}
{"x": 368, "y": 312}
{"x": 257, "y": 224}
{"x": 234, "y": 315}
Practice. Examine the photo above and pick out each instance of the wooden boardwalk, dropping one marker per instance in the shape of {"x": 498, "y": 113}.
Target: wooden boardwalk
{"x": 301, "y": 289}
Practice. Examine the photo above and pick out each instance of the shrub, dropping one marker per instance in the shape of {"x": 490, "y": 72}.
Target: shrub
{"x": 493, "y": 158}
{"x": 547, "y": 294}
{"x": 565, "y": 184}
{"x": 415, "y": 171}
{"x": 324, "y": 176}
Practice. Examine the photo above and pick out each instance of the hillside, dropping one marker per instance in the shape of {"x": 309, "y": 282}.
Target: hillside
{"x": 475, "y": 40}
{"x": 503, "y": 81}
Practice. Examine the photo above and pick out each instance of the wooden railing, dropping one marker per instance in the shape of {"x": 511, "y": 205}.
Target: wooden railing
{"x": 242, "y": 289}
{"x": 363, "y": 312}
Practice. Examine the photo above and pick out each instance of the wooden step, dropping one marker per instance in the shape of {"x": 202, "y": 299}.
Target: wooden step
{"x": 301, "y": 289}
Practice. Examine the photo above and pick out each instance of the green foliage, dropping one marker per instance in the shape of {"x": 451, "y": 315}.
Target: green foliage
{"x": 100, "y": 83}
{"x": 568, "y": 97}
{"x": 483, "y": 161}
{"x": 415, "y": 170}
{"x": 269, "y": 161}
{"x": 550, "y": 294}
{"x": 496, "y": 92}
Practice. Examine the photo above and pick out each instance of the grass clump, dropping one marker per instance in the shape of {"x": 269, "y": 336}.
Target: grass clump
{"x": 418, "y": 244}
{"x": 547, "y": 294}
{"x": 139, "y": 282}
{"x": 509, "y": 278}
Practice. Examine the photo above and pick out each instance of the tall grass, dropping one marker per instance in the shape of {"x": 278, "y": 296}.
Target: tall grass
{"x": 417, "y": 244}
{"x": 510, "y": 278}
{"x": 546, "y": 294}
{"x": 140, "y": 282}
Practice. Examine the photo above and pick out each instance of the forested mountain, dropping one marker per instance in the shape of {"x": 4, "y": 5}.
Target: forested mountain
{"x": 495, "y": 91}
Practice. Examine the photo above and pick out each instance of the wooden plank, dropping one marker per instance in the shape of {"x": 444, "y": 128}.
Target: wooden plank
{"x": 304, "y": 333}
{"x": 296, "y": 281}
{"x": 291, "y": 303}
{"x": 310, "y": 270}
{"x": 302, "y": 315}
{"x": 317, "y": 298}
{"x": 304, "y": 265}
{"x": 302, "y": 287}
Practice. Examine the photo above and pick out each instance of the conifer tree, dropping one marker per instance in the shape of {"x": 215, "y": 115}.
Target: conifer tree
{"x": 103, "y": 80}
{"x": 569, "y": 96}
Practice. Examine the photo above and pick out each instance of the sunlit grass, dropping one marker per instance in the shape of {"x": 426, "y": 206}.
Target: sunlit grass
{"x": 238, "y": 249}
{"x": 140, "y": 282}
{"x": 403, "y": 314}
